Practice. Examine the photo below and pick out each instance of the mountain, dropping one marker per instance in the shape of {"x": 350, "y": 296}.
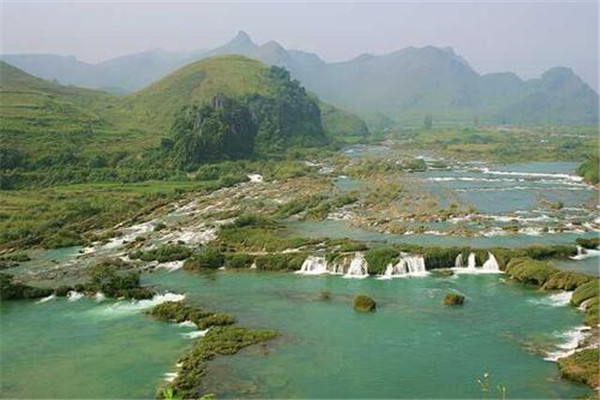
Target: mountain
{"x": 52, "y": 124}
{"x": 404, "y": 85}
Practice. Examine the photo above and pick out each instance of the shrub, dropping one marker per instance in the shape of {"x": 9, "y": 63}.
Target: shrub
{"x": 588, "y": 243}
{"x": 378, "y": 259}
{"x": 280, "y": 262}
{"x": 163, "y": 253}
{"x": 207, "y": 258}
{"x": 238, "y": 260}
{"x": 364, "y": 303}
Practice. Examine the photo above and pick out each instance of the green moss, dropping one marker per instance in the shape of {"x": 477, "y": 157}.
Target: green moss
{"x": 378, "y": 259}
{"x": 364, "y": 303}
{"x": 582, "y": 367}
{"x": 585, "y": 292}
{"x": 592, "y": 311}
{"x": 454, "y": 299}
{"x": 565, "y": 280}
{"x": 218, "y": 341}
{"x": 527, "y": 270}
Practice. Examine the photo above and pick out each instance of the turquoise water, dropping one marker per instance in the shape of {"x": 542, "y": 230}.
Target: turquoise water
{"x": 343, "y": 229}
{"x": 84, "y": 349}
{"x": 412, "y": 347}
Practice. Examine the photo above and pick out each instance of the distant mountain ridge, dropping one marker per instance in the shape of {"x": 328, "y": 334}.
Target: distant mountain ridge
{"x": 405, "y": 85}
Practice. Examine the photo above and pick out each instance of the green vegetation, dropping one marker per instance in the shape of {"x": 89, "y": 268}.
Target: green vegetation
{"x": 586, "y": 243}
{"x": 163, "y": 253}
{"x": 378, "y": 259}
{"x": 178, "y": 311}
{"x": 280, "y": 262}
{"x": 589, "y": 169}
{"x": 454, "y": 299}
{"x": 10, "y": 290}
{"x": 221, "y": 340}
{"x": 582, "y": 366}
{"x": 111, "y": 278}
{"x": 586, "y": 291}
{"x": 364, "y": 303}
{"x": 207, "y": 258}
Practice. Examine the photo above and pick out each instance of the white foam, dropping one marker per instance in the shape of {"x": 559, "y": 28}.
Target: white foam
{"x": 170, "y": 376}
{"x": 314, "y": 265}
{"x": 74, "y": 296}
{"x": 585, "y": 253}
{"x": 255, "y": 178}
{"x": 171, "y": 265}
{"x": 187, "y": 324}
{"x": 560, "y": 299}
{"x": 100, "y": 297}
{"x": 358, "y": 267}
{"x": 47, "y": 298}
{"x": 127, "y": 307}
{"x": 571, "y": 338}
{"x": 195, "y": 334}
{"x": 556, "y": 176}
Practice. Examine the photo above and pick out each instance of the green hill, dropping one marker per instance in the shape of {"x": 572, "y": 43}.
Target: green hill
{"x": 50, "y": 124}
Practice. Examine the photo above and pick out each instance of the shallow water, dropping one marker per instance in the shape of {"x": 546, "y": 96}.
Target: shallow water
{"x": 84, "y": 349}
{"x": 343, "y": 229}
{"x": 326, "y": 350}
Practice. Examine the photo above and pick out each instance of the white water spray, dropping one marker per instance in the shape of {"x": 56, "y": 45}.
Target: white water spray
{"x": 314, "y": 265}
{"x": 358, "y": 267}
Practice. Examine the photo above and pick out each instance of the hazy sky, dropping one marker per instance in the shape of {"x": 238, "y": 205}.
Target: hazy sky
{"x": 524, "y": 37}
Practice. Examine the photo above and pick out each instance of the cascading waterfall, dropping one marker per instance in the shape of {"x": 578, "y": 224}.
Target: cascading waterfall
{"x": 406, "y": 266}
{"x": 491, "y": 264}
{"x": 458, "y": 262}
{"x": 471, "y": 262}
{"x": 358, "y": 267}
{"x": 585, "y": 253}
{"x": 314, "y": 265}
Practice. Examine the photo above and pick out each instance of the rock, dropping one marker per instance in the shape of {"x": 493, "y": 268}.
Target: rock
{"x": 454, "y": 299}
{"x": 364, "y": 303}
{"x": 443, "y": 272}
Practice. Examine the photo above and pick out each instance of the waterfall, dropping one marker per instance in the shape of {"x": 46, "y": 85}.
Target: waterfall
{"x": 313, "y": 265}
{"x": 358, "y": 267}
{"x": 407, "y": 265}
{"x": 491, "y": 264}
{"x": 471, "y": 261}
{"x": 458, "y": 262}
{"x": 580, "y": 251}
{"x": 585, "y": 253}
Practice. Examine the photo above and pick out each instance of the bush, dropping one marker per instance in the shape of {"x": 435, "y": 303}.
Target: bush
{"x": 109, "y": 278}
{"x": 163, "y": 253}
{"x": 454, "y": 299}
{"x": 238, "y": 260}
{"x": 280, "y": 262}
{"x": 588, "y": 243}
{"x": 364, "y": 303}
{"x": 378, "y": 259}
{"x": 207, "y": 258}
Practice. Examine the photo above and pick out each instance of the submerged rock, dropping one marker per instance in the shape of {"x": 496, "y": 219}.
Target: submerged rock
{"x": 364, "y": 303}
{"x": 454, "y": 299}
{"x": 444, "y": 272}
